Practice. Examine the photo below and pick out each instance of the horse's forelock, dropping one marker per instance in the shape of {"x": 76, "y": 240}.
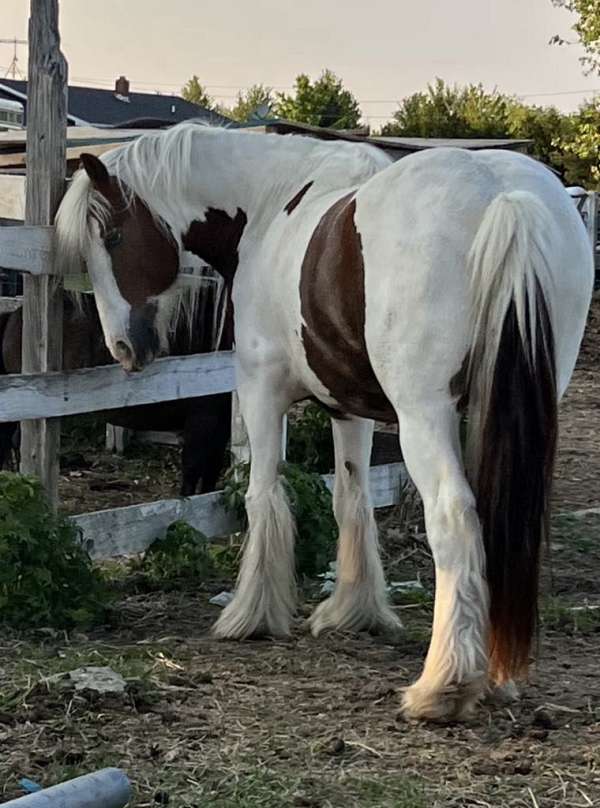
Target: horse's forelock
{"x": 80, "y": 204}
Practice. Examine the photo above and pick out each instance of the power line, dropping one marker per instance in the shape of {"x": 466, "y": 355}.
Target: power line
{"x": 145, "y": 83}
{"x": 14, "y": 65}
{"x": 176, "y": 86}
{"x": 560, "y": 92}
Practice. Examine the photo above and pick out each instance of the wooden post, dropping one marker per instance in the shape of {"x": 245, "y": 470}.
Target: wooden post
{"x": 117, "y": 438}
{"x": 46, "y": 171}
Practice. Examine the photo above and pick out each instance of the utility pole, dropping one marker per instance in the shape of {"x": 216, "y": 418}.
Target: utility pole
{"x": 13, "y": 67}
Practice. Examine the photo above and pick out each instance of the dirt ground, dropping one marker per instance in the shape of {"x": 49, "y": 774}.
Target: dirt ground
{"x": 315, "y": 722}
{"x": 578, "y": 468}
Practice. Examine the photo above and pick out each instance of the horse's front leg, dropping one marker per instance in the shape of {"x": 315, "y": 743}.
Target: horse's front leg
{"x": 359, "y": 600}
{"x": 265, "y": 595}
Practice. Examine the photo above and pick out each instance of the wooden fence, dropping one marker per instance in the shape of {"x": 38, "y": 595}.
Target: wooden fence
{"x": 42, "y": 393}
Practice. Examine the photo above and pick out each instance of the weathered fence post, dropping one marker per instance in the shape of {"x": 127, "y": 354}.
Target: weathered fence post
{"x": 46, "y": 170}
{"x": 117, "y": 438}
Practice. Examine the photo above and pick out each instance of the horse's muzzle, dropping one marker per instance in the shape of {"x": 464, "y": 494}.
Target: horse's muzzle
{"x": 127, "y": 357}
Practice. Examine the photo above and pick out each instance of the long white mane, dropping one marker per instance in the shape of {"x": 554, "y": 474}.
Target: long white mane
{"x": 157, "y": 166}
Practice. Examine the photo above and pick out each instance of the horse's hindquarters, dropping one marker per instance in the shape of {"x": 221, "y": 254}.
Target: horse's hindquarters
{"x": 418, "y": 229}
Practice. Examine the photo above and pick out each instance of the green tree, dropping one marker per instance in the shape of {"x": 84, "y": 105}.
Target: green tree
{"x": 470, "y": 112}
{"x": 196, "y": 93}
{"x": 544, "y": 126}
{"x": 450, "y": 111}
{"x": 579, "y": 141}
{"x": 249, "y": 101}
{"x": 587, "y": 29}
{"x": 579, "y": 145}
{"x": 322, "y": 103}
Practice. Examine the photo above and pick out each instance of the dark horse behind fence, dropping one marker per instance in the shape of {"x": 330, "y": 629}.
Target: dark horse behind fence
{"x": 204, "y": 423}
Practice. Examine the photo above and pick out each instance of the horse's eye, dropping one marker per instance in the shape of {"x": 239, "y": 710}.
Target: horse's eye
{"x": 112, "y": 239}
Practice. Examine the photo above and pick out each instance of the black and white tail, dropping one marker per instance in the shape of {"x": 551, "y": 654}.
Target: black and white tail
{"x": 512, "y": 419}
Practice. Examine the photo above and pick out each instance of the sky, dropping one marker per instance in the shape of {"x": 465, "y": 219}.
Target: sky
{"x": 383, "y": 50}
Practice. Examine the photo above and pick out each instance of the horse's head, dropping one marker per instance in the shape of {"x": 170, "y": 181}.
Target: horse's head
{"x": 132, "y": 261}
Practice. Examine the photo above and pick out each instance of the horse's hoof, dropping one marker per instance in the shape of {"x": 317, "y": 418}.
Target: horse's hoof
{"x": 452, "y": 702}
{"x": 235, "y": 626}
{"x": 338, "y": 613}
{"x": 503, "y": 695}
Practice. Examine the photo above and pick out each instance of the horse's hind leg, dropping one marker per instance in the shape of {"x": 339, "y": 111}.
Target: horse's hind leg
{"x": 455, "y": 672}
{"x": 9, "y": 445}
{"x": 206, "y": 434}
{"x": 265, "y": 595}
{"x": 359, "y": 600}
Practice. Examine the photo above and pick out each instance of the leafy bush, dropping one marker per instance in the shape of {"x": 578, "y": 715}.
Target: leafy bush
{"x": 46, "y": 577}
{"x": 183, "y": 555}
{"x": 310, "y": 500}
{"x": 310, "y": 442}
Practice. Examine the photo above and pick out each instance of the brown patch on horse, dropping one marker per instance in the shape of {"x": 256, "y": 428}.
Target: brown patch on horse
{"x": 216, "y": 240}
{"x": 295, "y": 201}
{"x": 332, "y": 298}
{"x": 145, "y": 261}
{"x": 145, "y": 258}
{"x": 514, "y": 481}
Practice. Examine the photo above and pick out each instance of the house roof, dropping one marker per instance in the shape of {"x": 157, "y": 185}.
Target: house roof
{"x": 101, "y": 106}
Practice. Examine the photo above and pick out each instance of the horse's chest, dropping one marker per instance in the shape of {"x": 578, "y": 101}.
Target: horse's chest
{"x": 332, "y": 299}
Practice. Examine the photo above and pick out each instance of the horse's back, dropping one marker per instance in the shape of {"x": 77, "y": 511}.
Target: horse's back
{"x": 418, "y": 221}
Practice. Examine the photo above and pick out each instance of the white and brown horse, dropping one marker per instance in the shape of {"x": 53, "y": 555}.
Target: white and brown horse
{"x": 406, "y": 291}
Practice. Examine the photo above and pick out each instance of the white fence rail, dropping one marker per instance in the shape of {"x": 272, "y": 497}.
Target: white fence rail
{"x": 52, "y": 395}
{"x": 27, "y": 248}
{"x": 130, "y": 530}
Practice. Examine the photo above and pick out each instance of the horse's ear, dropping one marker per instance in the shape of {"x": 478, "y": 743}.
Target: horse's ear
{"x": 95, "y": 169}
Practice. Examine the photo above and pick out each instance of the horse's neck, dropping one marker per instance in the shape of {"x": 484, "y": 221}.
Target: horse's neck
{"x": 216, "y": 188}
{"x": 252, "y": 173}
{"x": 238, "y": 185}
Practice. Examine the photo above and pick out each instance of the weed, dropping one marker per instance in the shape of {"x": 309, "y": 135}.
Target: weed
{"x": 183, "y": 555}
{"x": 46, "y": 577}
{"x": 311, "y": 504}
{"x": 310, "y": 442}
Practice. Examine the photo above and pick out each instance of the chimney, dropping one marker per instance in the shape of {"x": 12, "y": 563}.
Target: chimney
{"x": 122, "y": 87}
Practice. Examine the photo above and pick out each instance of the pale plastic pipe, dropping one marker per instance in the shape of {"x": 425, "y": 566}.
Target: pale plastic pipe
{"x": 107, "y": 788}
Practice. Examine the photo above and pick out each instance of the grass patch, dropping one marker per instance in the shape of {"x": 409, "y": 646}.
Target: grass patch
{"x": 270, "y": 788}
{"x": 576, "y": 533}
{"x": 34, "y": 664}
{"x": 413, "y": 597}
{"x": 556, "y": 616}
{"x": 252, "y": 788}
